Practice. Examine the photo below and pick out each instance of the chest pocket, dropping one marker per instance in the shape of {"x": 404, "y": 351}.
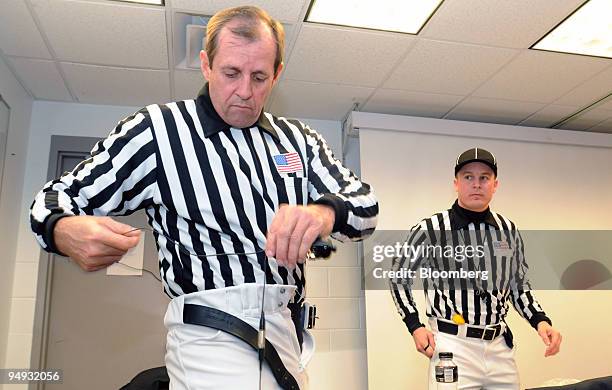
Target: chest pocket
{"x": 291, "y": 190}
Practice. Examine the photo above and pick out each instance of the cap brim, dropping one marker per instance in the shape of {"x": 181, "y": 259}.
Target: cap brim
{"x": 487, "y": 163}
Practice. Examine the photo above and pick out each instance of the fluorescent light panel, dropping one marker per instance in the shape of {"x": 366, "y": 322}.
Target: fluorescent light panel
{"x": 587, "y": 31}
{"x": 407, "y": 16}
{"x": 152, "y": 2}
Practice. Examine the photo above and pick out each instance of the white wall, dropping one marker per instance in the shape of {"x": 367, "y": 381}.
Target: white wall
{"x": 548, "y": 180}
{"x": 20, "y": 104}
{"x": 334, "y": 285}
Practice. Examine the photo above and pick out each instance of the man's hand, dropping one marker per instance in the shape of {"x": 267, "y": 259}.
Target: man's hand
{"x": 294, "y": 229}
{"x": 424, "y": 341}
{"x": 94, "y": 242}
{"x": 551, "y": 337}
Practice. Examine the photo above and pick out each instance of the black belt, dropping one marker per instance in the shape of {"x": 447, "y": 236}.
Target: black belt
{"x": 296, "y": 317}
{"x": 220, "y": 320}
{"x": 477, "y": 333}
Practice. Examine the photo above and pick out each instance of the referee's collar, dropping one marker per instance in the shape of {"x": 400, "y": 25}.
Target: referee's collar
{"x": 460, "y": 218}
{"x": 212, "y": 121}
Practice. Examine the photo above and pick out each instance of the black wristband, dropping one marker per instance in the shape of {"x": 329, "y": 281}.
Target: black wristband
{"x": 412, "y": 322}
{"x": 537, "y": 318}
{"x": 50, "y": 223}
{"x": 415, "y": 327}
{"x": 340, "y": 211}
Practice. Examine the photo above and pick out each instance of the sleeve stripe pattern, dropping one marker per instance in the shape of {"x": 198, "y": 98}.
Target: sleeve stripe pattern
{"x": 86, "y": 190}
{"x": 327, "y": 175}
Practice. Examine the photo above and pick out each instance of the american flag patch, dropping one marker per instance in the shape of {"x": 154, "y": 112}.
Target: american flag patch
{"x": 288, "y": 162}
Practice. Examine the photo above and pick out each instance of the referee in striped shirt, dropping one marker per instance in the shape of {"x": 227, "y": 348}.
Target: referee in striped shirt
{"x": 484, "y": 252}
{"x": 234, "y": 196}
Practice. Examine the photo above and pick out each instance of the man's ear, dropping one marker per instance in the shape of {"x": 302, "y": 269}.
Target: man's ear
{"x": 204, "y": 64}
{"x": 495, "y": 184}
{"x": 456, "y": 184}
{"x": 278, "y": 72}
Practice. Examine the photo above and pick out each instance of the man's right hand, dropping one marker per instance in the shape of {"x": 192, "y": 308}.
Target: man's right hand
{"x": 424, "y": 341}
{"x": 94, "y": 243}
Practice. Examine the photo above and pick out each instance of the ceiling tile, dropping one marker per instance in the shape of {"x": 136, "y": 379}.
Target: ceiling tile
{"x": 603, "y": 127}
{"x": 312, "y": 100}
{"x": 493, "y": 111}
{"x": 344, "y": 55}
{"x": 18, "y": 33}
{"x": 449, "y": 68}
{"x": 607, "y": 104}
{"x": 42, "y": 79}
{"x": 549, "y": 115}
{"x": 283, "y": 10}
{"x": 542, "y": 77}
{"x": 187, "y": 84}
{"x": 588, "y": 119}
{"x": 117, "y": 86}
{"x": 589, "y": 91}
{"x": 398, "y": 102}
{"x": 105, "y": 33}
{"x": 516, "y": 23}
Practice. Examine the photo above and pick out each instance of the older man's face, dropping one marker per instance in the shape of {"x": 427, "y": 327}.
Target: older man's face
{"x": 242, "y": 75}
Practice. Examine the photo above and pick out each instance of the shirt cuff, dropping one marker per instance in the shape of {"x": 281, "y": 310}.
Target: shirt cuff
{"x": 340, "y": 210}
{"x": 412, "y": 322}
{"x": 50, "y": 223}
{"x": 537, "y": 318}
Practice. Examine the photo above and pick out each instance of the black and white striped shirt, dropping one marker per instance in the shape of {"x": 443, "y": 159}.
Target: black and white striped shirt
{"x": 478, "y": 301}
{"x": 212, "y": 188}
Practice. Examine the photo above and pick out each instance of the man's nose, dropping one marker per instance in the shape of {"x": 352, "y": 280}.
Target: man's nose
{"x": 245, "y": 89}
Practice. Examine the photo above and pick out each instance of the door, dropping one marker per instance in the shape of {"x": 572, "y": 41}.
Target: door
{"x": 4, "y": 126}
{"x": 100, "y": 330}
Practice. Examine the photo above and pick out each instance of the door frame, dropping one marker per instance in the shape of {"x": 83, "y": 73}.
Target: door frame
{"x": 61, "y": 147}
{"x": 3, "y": 152}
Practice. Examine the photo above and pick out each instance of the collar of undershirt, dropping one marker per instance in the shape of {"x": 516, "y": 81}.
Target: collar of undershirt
{"x": 212, "y": 123}
{"x": 460, "y": 217}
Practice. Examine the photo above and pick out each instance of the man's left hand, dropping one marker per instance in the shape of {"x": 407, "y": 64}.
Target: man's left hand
{"x": 551, "y": 337}
{"x": 294, "y": 229}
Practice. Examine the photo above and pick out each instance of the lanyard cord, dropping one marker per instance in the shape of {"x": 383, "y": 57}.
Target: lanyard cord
{"x": 320, "y": 249}
{"x": 189, "y": 253}
{"x": 185, "y": 251}
{"x": 261, "y": 334}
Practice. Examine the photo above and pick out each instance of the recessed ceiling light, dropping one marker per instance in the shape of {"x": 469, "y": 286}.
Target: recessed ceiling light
{"x": 407, "y": 16}
{"x": 152, "y": 2}
{"x": 587, "y": 31}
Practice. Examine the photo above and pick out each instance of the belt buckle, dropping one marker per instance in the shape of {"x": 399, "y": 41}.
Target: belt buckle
{"x": 489, "y": 328}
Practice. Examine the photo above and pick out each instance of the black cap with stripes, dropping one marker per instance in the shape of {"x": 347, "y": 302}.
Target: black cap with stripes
{"x": 476, "y": 154}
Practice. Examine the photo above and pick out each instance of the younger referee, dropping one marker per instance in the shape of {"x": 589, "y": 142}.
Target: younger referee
{"x": 467, "y": 316}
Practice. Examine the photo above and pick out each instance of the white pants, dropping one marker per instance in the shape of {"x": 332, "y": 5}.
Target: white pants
{"x": 201, "y": 358}
{"x": 481, "y": 364}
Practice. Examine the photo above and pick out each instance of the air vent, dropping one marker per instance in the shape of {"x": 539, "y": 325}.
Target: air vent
{"x": 189, "y": 39}
{"x": 194, "y": 43}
